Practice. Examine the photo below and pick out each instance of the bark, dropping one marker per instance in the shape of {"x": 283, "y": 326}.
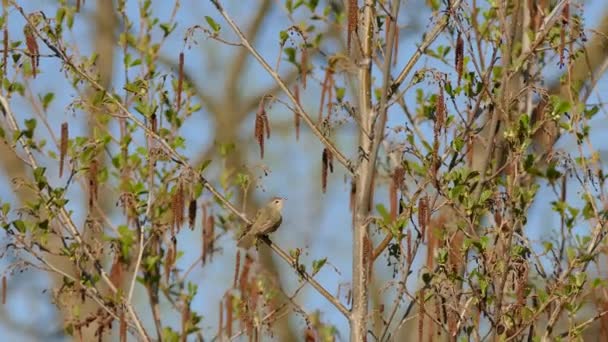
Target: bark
{"x": 364, "y": 175}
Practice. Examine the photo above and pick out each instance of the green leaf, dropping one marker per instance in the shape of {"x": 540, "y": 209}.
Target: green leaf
{"x": 6, "y": 207}
{"x": 340, "y": 92}
{"x": 312, "y": 4}
{"x": 167, "y": 28}
{"x": 552, "y": 173}
{"x": 317, "y": 265}
{"x": 283, "y": 36}
{"x": 20, "y": 226}
{"x": 138, "y": 87}
{"x": 289, "y": 6}
{"x": 70, "y": 19}
{"x": 169, "y": 335}
{"x": 59, "y": 15}
{"x": 215, "y": 27}
{"x": 39, "y": 177}
{"x": 126, "y": 238}
{"x": 46, "y": 100}
{"x": 291, "y": 54}
{"x": 44, "y": 225}
{"x": 458, "y": 144}
{"x": 204, "y": 165}
{"x": 590, "y": 113}
{"x": 30, "y": 126}
{"x": 386, "y": 217}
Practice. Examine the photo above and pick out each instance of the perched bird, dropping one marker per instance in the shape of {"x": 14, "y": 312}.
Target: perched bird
{"x": 266, "y": 221}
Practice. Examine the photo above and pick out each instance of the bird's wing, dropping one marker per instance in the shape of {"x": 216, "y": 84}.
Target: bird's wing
{"x": 263, "y": 218}
{"x": 273, "y": 226}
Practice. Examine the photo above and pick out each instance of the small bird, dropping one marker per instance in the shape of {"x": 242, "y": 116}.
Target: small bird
{"x": 266, "y": 221}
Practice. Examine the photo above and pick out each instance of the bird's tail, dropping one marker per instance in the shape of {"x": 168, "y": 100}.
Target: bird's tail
{"x": 246, "y": 240}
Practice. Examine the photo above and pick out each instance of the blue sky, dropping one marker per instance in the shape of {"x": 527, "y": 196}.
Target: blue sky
{"x": 320, "y": 221}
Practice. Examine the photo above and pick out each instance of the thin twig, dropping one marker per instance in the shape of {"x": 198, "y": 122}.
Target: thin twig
{"x": 65, "y": 217}
{"x": 336, "y": 153}
{"x": 430, "y": 38}
{"x": 180, "y": 160}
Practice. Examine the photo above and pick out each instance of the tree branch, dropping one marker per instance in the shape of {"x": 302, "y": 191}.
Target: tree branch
{"x": 65, "y": 216}
{"x": 180, "y": 160}
{"x": 364, "y": 175}
{"x": 430, "y": 38}
{"x": 330, "y": 146}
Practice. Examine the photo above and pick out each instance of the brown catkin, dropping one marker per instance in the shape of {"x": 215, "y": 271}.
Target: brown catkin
{"x": 63, "y": 147}
{"x": 296, "y": 113}
{"x": 192, "y": 214}
{"x": 237, "y": 267}
{"x": 229, "y": 315}
{"x": 437, "y": 314}
{"x": 440, "y": 110}
{"x": 259, "y": 127}
{"x": 117, "y": 272}
{"x": 32, "y": 47}
{"x": 169, "y": 260}
{"x": 123, "y": 326}
{"x": 353, "y": 18}
{"x": 393, "y": 200}
{"x": 266, "y": 124}
{"x": 459, "y": 57}
{"x": 423, "y": 215}
{"x": 309, "y": 335}
{"x": 304, "y": 64}
{"x": 399, "y": 177}
{"x": 210, "y": 236}
{"x": 324, "y": 167}
{"x": 180, "y": 80}
{"x": 538, "y": 114}
{"x": 154, "y": 123}
{"x": 178, "y": 206}
{"x": 221, "y": 321}
{"x": 244, "y": 276}
{"x": 185, "y": 320}
{"x": 330, "y": 96}
{"x": 93, "y": 185}
{"x": 431, "y": 245}
{"x": 250, "y": 307}
{"x": 421, "y": 315}
{"x": 396, "y": 185}
{"x": 535, "y": 15}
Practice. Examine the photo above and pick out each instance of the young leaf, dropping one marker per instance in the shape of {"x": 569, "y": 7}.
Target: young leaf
{"x": 215, "y": 27}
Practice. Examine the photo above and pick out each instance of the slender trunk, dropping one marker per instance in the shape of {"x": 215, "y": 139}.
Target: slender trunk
{"x": 364, "y": 178}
